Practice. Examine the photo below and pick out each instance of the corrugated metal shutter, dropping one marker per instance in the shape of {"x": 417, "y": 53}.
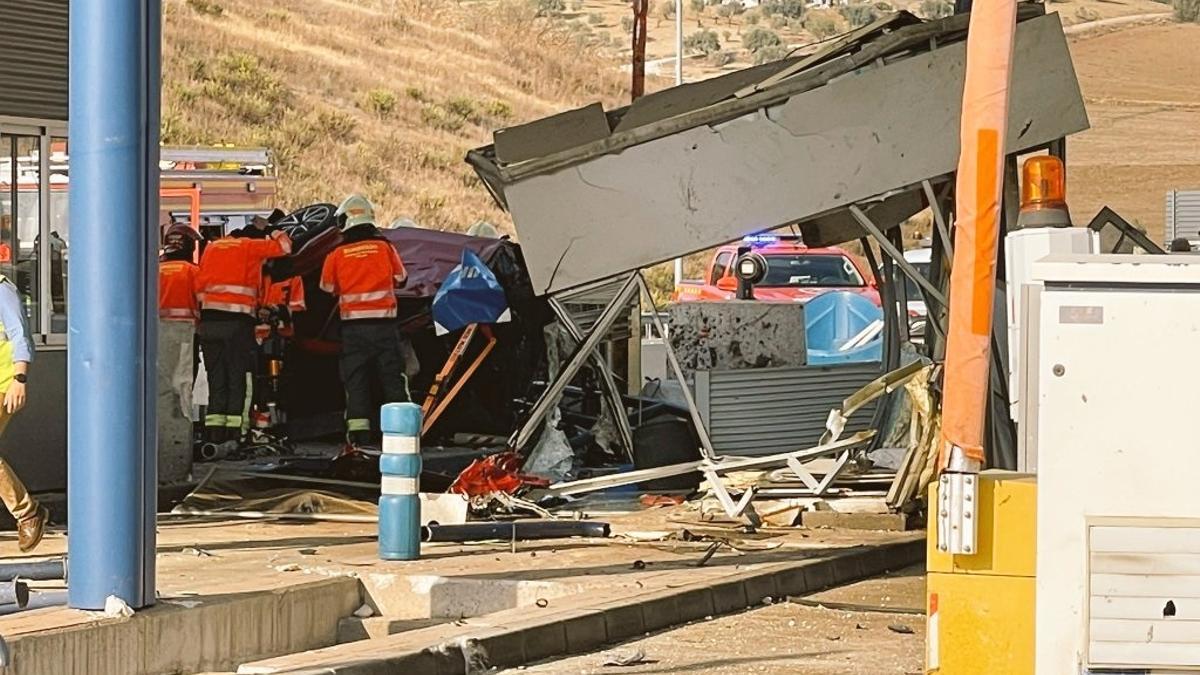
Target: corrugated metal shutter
{"x": 763, "y": 411}
{"x": 33, "y": 58}
{"x": 1183, "y": 215}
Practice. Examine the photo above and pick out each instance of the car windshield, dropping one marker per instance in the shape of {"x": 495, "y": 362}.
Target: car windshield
{"x": 911, "y": 289}
{"x": 811, "y": 270}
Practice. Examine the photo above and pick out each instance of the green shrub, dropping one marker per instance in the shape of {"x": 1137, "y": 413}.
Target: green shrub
{"x": 415, "y": 94}
{"x": 498, "y": 110}
{"x": 859, "y": 15}
{"x": 437, "y": 118}
{"x": 243, "y": 85}
{"x": 206, "y": 7}
{"x": 759, "y": 38}
{"x": 549, "y": 7}
{"x": 666, "y": 9}
{"x": 821, "y": 24}
{"x": 719, "y": 59}
{"x": 702, "y": 42}
{"x": 792, "y": 9}
{"x": 461, "y": 106}
{"x": 595, "y": 18}
{"x": 336, "y": 125}
{"x": 698, "y": 6}
{"x": 768, "y": 54}
{"x": 380, "y": 102}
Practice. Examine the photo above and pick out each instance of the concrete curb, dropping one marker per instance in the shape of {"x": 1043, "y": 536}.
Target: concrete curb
{"x": 514, "y": 641}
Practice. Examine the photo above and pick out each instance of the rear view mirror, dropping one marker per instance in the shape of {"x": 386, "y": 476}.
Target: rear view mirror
{"x": 727, "y": 284}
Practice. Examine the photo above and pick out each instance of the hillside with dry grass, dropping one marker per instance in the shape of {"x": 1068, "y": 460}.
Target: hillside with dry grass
{"x": 378, "y": 96}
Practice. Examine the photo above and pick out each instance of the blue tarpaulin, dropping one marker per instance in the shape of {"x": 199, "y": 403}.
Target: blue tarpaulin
{"x": 470, "y": 294}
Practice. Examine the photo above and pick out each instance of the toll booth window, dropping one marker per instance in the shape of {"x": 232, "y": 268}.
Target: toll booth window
{"x": 59, "y": 234}
{"x": 20, "y": 219}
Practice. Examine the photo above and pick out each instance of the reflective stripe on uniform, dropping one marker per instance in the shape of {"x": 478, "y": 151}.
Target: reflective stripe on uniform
{"x": 237, "y": 308}
{"x": 178, "y": 313}
{"x": 229, "y": 288}
{"x": 364, "y": 297}
{"x": 214, "y": 420}
{"x": 370, "y": 314}
{"x": 358, "y": 425}
{"x": 233, "y": 421}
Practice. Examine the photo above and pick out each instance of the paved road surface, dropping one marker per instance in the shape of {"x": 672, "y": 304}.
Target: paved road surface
{"x": 782, "y": 639}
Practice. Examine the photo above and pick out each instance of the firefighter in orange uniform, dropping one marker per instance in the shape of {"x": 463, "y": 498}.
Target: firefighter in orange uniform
{"x": 363, "y": 273}
{"x": 177, "y": 276}
{"x": 281, "y": 299}
{"x": 279, "y": 303}
{"x": 228, "y": 285}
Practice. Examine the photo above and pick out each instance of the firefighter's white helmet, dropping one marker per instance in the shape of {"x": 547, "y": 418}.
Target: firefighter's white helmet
{"x": 357, "y": 210}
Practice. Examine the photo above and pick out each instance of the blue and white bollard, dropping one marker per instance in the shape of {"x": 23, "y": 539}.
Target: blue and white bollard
{"x": 400, "y": 464}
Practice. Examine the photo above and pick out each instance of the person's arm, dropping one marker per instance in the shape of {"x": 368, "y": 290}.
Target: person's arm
{"x": 399, "y": 274}
{"x": 329, "y": 274}
{"x": 17, "y": 332}
{"x": 282, "y": 243}
{"x": 296, "y": 301}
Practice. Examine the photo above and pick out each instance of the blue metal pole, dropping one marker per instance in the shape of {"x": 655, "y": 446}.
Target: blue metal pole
{"x": 152, "y": 13}
{"x": 113, "y": 80}
{"x": 400, "y": 469}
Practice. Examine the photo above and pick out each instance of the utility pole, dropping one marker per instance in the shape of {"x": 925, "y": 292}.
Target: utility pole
{"x": 678, "y": 42}
{"x": 678, "y": 81}
{"x": 640, "y": 9}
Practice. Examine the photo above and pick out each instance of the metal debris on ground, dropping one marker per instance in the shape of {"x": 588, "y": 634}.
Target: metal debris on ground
{"x": 114, "y": 607}
{"x": 198, "y": 552}
{"x": 855, "y": 607}
{"x": 709, "y": 553}
{"x": 626, "y": 658}
{"x": 900, "y": 628}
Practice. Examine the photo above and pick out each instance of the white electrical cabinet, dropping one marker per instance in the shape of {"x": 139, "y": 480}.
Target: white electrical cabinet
{"x": 1021, "y": 249}
{"x": 1118, "y": 531}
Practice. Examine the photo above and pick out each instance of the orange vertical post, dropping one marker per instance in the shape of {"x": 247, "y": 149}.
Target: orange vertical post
{"x": 979, "y": 190}
{"x": 978, "y": 194}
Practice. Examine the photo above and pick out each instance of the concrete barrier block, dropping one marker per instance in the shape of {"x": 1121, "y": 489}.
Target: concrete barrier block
{"x": 728, "y": 596}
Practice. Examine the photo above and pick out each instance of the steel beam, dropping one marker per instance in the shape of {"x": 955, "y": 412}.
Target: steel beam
{"x": 569, "y": 369}
{"x": 897, "y": 256}
{"x": 706, "y": 446}
{"x": 112, "y": 481}
{"x": 612, "y": 394}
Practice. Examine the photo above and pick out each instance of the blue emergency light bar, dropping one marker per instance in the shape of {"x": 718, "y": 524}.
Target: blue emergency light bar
{"x": 768, "y": 239}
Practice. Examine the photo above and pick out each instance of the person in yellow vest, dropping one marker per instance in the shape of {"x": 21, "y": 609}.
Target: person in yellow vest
{"x": 16, "y": 351}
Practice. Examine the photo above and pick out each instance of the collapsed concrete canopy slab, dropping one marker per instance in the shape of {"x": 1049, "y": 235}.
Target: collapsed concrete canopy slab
{"x": 868, "y": 123}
